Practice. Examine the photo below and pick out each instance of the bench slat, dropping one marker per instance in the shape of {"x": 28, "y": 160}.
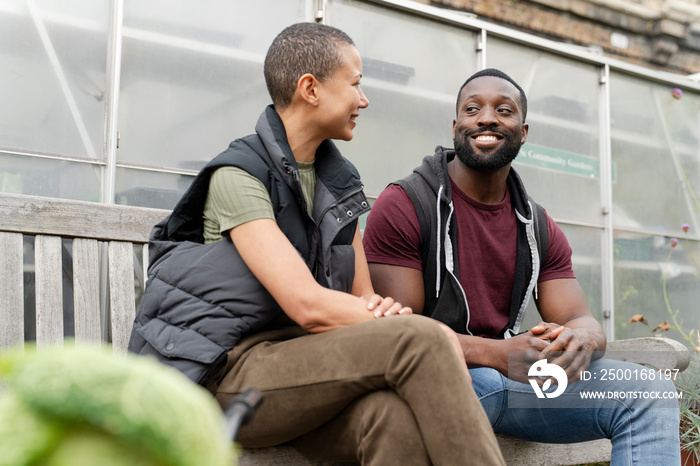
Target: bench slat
{"x": 33, "y": 215}
{"x": 515, "y": 452}
{"x": 524, "y": 453}
{"x": 122, "y": 296}
{"x": 11, "y": 290}
{"x": 49, "y": 290}
{"x": 86, "y": 290}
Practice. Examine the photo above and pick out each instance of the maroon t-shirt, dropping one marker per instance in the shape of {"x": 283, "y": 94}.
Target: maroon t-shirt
{"x": 486, "y": 249}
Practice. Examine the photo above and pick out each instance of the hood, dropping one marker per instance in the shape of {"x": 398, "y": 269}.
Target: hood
{"x": 434, "y": 171}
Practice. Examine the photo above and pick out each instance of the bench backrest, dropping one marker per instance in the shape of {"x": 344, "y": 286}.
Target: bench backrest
{"x": 102, "y": 240}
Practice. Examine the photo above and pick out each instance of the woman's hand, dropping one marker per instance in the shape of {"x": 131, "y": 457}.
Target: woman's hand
{"x": 385, "y": 307}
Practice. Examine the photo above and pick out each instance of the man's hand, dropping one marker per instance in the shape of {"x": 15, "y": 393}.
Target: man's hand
{"x": 518, "y": 353}
{"x": 569, "y": 348}
{"x": 546, "y": 330}
{"x": 572, "y": 342}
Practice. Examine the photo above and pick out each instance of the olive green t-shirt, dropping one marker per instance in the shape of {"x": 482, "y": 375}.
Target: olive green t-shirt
{"x": 236, "y": 197}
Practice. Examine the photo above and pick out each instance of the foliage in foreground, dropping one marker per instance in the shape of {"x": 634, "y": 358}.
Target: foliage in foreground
{"x": 80, "y": 406}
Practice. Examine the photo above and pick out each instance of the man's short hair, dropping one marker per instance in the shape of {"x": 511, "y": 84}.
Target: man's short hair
{"x": 299, "y": 49}
{"x": 496, "y": 74}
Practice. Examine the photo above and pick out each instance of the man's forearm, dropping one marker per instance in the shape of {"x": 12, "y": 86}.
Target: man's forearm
{"x": 481, "y": 352}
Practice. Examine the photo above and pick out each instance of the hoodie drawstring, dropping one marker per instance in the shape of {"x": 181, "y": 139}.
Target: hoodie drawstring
{"x": 439, "y": 241}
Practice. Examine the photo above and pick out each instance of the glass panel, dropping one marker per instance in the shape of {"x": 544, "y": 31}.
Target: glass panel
{"x": 192, "y": 77}
{"x": 52, "y": 79}
{"x": 411, "y": 81}
{"x": 656, "y": 155}
{"x": 585, "y": 243}
{"x": 644, "y": 266}
{"x": 560, "y": 161}
{"x": 150, "y": 189}
{"x": 49, "y": 177}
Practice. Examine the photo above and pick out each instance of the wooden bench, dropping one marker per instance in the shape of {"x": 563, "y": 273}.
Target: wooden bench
{"x": 98, "y": 254}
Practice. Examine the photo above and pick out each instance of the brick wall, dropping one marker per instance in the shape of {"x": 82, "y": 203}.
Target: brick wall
{"x": 659, "y": 34}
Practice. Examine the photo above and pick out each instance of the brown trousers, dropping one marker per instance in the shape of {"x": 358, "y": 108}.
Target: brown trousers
{"x": 389, "y": 391}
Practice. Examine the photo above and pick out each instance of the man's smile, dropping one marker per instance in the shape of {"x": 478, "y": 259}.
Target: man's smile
{"x": 486, "y": 138}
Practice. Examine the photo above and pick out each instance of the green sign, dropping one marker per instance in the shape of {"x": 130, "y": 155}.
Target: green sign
{"x": 559, "y": 160}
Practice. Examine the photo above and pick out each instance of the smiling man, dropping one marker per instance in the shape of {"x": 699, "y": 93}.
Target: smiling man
{"x": 460, "y": 241}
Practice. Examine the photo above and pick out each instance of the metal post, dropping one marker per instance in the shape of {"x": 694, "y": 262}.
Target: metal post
{"x": 114, "y": 60}
{"x": 113, "y": 76}
{"x": 607, "y": 266}
{"x": 320, "y": 11}
{"x": 481, "y": 58}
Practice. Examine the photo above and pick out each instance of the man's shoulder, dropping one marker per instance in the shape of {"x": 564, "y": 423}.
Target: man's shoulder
{"x": 394, "y": 196}
{"x": 392, "y": 234}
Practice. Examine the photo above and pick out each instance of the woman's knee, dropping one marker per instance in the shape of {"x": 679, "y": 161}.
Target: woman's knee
{"x": 388, "y": 429}
{"x": 420, "y": 331}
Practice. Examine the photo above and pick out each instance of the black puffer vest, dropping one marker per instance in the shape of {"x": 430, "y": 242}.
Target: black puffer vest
{"x": 201, "y": 299}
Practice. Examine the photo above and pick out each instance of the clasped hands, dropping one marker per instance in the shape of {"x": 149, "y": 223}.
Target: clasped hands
{"x": 569, "y": 348}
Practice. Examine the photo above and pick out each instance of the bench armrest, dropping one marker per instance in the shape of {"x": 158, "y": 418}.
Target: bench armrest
{"x": 658, "y": 352}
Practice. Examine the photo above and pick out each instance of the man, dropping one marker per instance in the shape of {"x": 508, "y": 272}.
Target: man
{"x": 279, "y": 297}
{"x": 473, "y": 263}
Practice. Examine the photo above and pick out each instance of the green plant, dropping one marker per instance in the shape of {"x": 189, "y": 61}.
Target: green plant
{"x": 688, "y": 381}
{"x": 80, "y": 405}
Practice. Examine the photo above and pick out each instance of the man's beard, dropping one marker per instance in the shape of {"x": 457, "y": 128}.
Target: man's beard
{"x": 485, "y": 163}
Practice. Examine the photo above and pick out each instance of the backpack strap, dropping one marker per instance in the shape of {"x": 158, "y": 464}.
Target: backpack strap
{"x": 539, "y": 220}
{"x": 424, "y": 200}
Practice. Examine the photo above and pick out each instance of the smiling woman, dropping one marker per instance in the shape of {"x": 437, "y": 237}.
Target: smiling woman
{"x": 344, "y": 97}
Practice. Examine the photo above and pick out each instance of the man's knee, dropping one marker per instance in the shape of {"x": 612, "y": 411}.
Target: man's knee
{"x": 487, "y": 381}
{"x": 491, "y": 388}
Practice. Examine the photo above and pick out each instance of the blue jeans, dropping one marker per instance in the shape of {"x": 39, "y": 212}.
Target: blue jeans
{"x": 642, "y": 430}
